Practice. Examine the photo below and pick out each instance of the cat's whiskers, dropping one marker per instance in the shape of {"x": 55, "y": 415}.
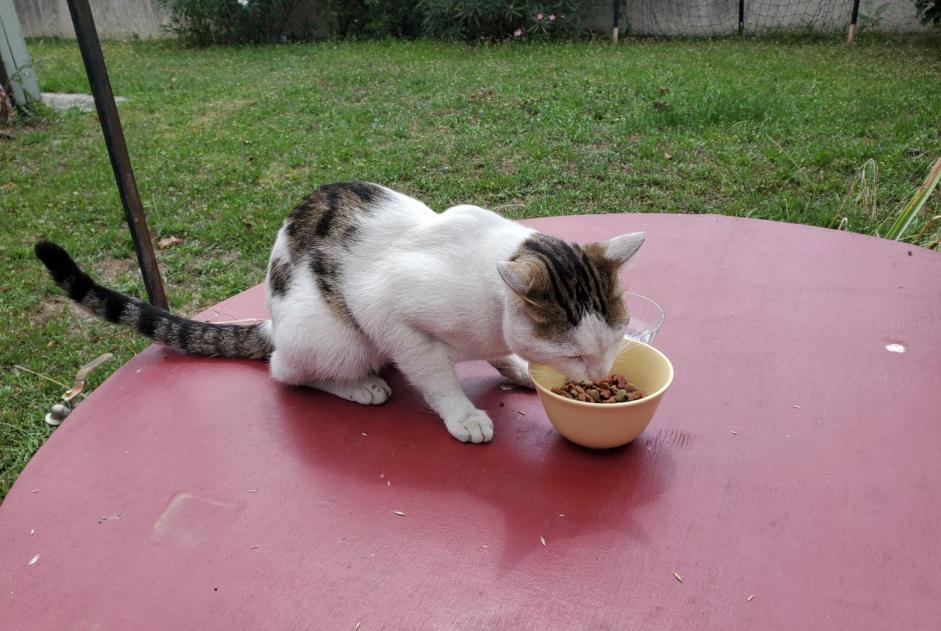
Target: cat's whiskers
{"x": 497, "y": 353}
{"x": 628, "y": 342}
{"x": 242, "y": 321}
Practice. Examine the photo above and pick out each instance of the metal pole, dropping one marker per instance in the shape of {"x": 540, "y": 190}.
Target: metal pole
{"x": 88, "y": 43}
{"x": 741, "y": 17}
{"x": 15, "y": 64}
{"x": 617, "y": 20}
{"x": 852, "y": 32}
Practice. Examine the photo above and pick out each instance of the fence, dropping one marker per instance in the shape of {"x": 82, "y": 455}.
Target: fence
{"x": 699, "y": 18}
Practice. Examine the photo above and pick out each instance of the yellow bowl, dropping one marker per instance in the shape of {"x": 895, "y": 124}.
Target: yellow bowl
{"x": 606, "y": 425}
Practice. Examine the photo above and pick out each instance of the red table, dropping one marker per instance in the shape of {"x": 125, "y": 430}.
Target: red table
{"x": 791, "y": 478}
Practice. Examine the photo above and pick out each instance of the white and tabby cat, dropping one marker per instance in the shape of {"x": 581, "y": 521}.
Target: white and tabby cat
{"x": 361, "y": 276}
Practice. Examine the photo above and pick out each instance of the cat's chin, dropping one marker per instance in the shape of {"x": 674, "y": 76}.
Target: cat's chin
{"x": 571, "y": 370}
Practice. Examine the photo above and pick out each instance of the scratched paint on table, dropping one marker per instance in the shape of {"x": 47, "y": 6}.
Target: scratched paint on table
{"x": 190, "y": 519}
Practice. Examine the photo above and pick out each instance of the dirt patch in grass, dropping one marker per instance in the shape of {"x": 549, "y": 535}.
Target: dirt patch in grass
{"x": 108, "y": 271}
{"x": 54, "y": 308}
{"x": 216, "y": 110}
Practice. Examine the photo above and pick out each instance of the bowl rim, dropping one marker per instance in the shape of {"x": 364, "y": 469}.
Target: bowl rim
{"x": 645, "y": 399}
{"x": 660, "y": 320}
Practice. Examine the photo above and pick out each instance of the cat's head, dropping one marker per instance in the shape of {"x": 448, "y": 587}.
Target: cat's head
{"x": 565, "y": 303}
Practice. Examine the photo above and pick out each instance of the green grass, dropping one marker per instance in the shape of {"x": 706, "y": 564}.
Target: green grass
{"x": 225, "y": 141}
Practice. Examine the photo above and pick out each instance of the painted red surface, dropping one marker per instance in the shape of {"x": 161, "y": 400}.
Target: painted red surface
{"x": 794, "y": 459}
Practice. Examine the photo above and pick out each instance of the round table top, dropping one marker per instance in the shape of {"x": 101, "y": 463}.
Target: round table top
{"x": 790, "y": 480}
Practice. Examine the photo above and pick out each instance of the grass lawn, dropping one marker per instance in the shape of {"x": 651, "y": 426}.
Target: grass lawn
{"x": 225, "y": 141}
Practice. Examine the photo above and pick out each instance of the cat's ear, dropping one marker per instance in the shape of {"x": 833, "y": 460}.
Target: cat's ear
{"x": 619, "y": 250}
{"x": 518, "y": 275}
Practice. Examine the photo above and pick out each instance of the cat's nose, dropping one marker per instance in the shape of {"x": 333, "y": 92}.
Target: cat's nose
{"x": 599, "y": 371}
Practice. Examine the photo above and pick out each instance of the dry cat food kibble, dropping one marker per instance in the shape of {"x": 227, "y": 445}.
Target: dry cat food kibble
{"x": 614, "y": 389}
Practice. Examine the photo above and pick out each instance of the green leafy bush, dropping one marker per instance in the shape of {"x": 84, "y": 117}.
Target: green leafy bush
{"x": 205, "y": 22}
{"x": 353, "y": 19}
{"x": 929, "y": 11}
{"x": 471, "y": 20}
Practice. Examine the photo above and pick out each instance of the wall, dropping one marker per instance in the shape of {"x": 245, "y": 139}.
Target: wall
{"x": 114, "y": 19}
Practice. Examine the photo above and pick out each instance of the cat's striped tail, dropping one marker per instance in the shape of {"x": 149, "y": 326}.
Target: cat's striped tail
{"x": 189, "y": 336}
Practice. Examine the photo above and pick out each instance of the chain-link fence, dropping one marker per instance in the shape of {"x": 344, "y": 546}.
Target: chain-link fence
{"x": 703, "y": 18}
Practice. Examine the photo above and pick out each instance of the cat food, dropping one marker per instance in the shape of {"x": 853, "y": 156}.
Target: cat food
{"x": 614, "y": 389}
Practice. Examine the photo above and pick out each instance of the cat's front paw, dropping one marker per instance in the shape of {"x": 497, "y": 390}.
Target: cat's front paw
{"x": 516, "y": 370}
{"x": 370, "y": 390}
{"x": 476, "y": 427}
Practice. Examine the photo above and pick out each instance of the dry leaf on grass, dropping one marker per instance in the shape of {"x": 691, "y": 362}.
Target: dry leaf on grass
{"x": 168, "y": 242}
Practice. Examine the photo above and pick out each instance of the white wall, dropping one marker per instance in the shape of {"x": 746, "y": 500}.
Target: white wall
{"x": 114, "y": 19}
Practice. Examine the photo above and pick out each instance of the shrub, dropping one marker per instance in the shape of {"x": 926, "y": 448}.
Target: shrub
{"x": 374, "y": 18}
{"x": 205, "y": 22}
{"x": 502, "y": 19}
{"x": 929, "y": 11}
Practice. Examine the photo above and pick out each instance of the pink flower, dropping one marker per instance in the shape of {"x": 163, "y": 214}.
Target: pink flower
{"x": 552, "y": 18}
{"x": 539, "y": 16}
{"x": 518, "y": 32}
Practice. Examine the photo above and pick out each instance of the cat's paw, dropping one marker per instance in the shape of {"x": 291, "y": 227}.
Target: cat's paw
{"x": 476, "y": 427}
{"x": 371, "y": 390}
{"x": 515, "y": 369}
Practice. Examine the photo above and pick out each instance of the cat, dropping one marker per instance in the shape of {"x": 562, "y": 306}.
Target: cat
{"x": 361, "y": 276}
